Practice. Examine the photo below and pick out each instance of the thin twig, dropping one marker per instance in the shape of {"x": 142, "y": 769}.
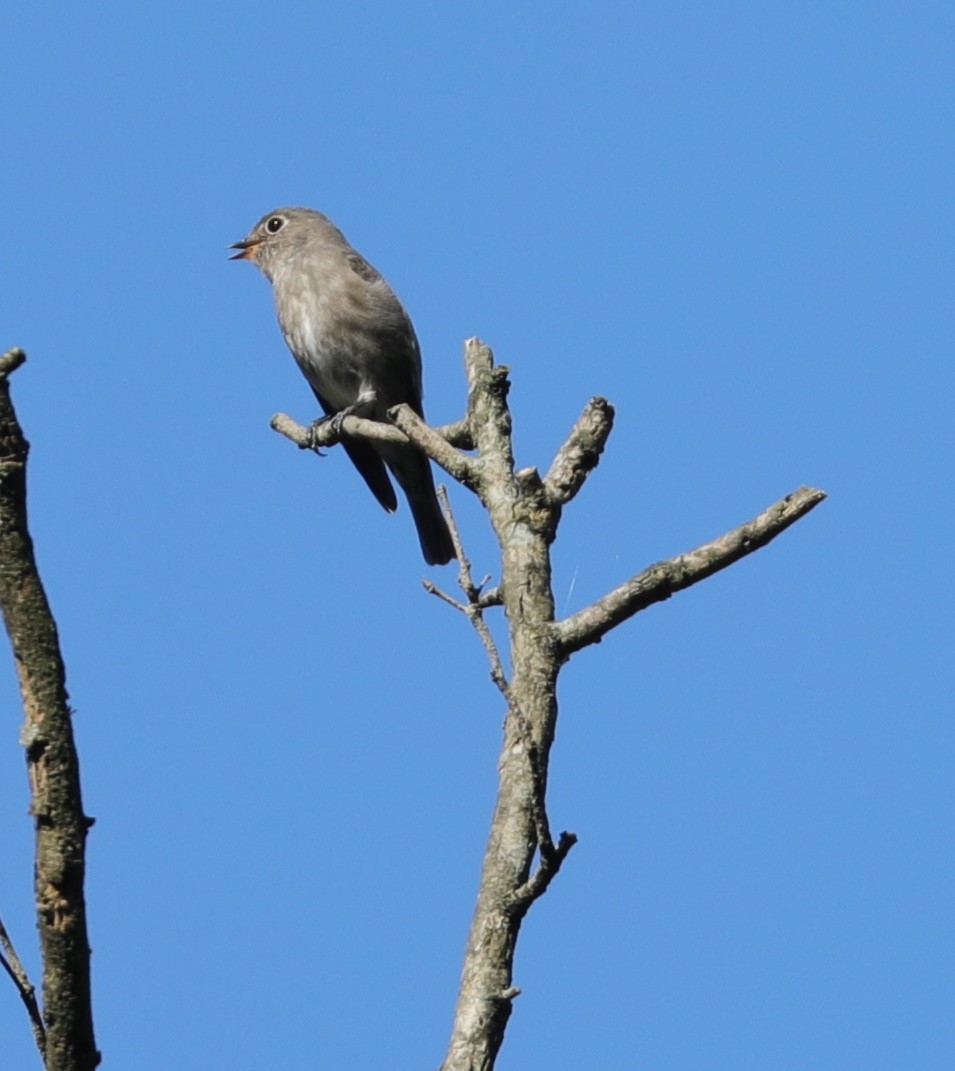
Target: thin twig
{"x": 473, "y": 609}
{"x": 432, "y": 589}
{"x": 12, "y": 964}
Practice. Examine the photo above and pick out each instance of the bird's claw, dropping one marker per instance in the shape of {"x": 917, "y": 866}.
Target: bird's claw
{"x": 312, "y": 435}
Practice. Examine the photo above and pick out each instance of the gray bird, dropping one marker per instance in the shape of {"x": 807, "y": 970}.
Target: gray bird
{"x": 354, "y": 343}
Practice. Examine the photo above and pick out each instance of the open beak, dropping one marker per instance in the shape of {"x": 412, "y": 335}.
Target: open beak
{"x": 246, "y": 250}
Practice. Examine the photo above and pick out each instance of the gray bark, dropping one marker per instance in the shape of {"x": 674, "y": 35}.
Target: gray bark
{"x": 521, "y": 858}
{"x": 65, "y": 1032}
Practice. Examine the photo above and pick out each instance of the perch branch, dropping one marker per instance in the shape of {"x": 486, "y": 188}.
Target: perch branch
{"x": 310, "y": 437}
{"x": 440, "y": 444}
{"x": 319, "y": 435}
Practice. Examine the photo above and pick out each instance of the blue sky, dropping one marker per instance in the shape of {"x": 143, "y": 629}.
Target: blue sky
{"x": 733, "y": 220}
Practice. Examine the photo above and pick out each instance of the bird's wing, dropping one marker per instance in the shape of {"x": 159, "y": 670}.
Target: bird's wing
{"x": 369, "y": 464}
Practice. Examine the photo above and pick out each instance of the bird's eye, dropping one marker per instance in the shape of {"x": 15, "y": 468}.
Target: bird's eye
{"x": 275, "y": 224}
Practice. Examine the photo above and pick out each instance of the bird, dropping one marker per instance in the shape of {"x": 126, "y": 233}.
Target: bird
{"x": 355, "y": 344}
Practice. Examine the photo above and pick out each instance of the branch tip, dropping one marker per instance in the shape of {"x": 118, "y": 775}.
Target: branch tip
{"x": 660, "y": 581}
{"x": 11, "y": 361}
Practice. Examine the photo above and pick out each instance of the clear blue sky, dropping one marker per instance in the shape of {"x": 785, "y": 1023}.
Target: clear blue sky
{"x": 732, "y": 219}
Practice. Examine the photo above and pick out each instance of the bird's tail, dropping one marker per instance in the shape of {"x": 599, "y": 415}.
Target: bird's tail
{"x": 412, "y": 470}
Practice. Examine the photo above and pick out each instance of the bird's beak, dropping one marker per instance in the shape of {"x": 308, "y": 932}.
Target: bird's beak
{"x": 246, "y": 250}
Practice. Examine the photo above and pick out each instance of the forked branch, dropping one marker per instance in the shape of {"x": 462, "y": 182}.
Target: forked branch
{"x": 520, "y": 858}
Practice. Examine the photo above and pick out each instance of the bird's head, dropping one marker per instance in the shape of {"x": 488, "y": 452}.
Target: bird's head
{"x": 282, "y": 232}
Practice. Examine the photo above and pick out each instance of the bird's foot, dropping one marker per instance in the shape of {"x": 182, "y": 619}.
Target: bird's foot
{"x": 327, "y": 430}
{"x": 335, "y": 422}
{"x": 336, "y": 419}
{"x": 317, "y": 436}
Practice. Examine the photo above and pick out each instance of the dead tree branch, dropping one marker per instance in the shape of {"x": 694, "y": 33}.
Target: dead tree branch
{"x": 14, "y": 968}
{"x": 52, "y": 763}
{"x": 476, "y": 601}
{"x": 580, "y": 452}
{"x": 525, "y": 511}
{"x": 310, "y": 437}
{"x": 664, "y": 579}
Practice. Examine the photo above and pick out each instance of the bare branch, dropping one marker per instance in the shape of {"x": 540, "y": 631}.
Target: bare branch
{"x": 491, "y": 597}
{"x": 312, "y": 437}
{"x": 537, "y": 764}
{"x": 11, "y": 963}
{"x": 462, "y": 468}
{"x": 664, "y": 579}
{"x": 457, "y": 433}
{"x": 52, "y": 763}
{"x": 432, "y": 589}
{"x": 524, "y": 511}
{"x": 550, "y": 862}
{"x": 317, "y": 435}
{"x": 488, "y": 415}
{"x": 11, "y": 361}
{"x": 524, "y": 521}
{"x": 580, "y": 452}
{"x": 474, "y": 608}
{"x": 435, "y": 442}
